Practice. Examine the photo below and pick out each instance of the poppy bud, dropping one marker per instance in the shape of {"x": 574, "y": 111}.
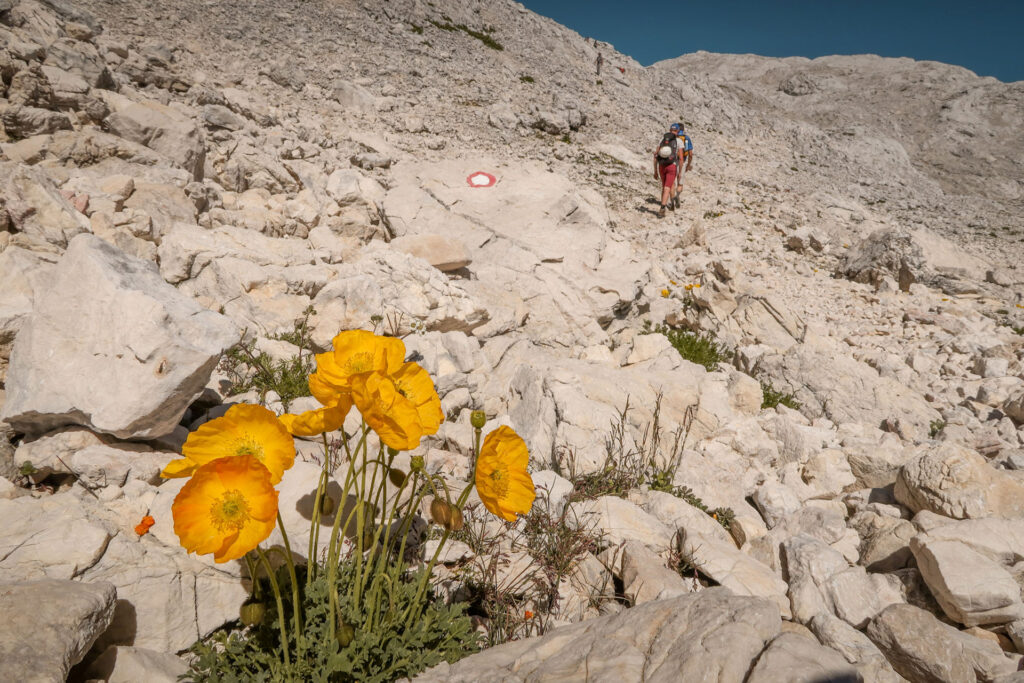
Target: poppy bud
{"x": 392, "y": 451}
{"x": 252, "y": 613}
{"x": 478, "y": 419}
{"x": 416, "y": 463}
{"x": 346, "y": 632}
{"x": 327, "y": 505}
{"x": 396, "y": 476}
{"x": 448, "y": 516}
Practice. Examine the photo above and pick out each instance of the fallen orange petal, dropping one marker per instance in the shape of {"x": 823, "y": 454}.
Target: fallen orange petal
{"x": 142, "y": 528}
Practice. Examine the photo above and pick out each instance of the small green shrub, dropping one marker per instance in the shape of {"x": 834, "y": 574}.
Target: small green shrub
{"x": 526, "y": 79}
{"x": 484, "y": 38}
{"x": 417, "y": 29}
{"x": 935, "y": 428}
{"x": 289, "y": 378}
{"x": 772, "y": 398}
{"x": 378, "y": 651}
{"x": 712, "y": 214}
{"x": 566, "y": 139}
{"x": 700, "y": 348}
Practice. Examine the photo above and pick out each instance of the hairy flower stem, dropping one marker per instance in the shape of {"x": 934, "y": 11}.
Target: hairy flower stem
{"x": 334, "y": 549}
{"x": 290, "y": 561}
{"x": 280, "y": 611}
{"x": 425, "y": 579}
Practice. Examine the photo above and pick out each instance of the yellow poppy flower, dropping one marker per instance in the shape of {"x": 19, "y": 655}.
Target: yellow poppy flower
{"x": 316, "y": 422}
{"x": 244, "y": 430}
{"x": 413, "y": 382}
{"x": 665, "y": 293}
{"x": 227, "y": 508}
{"x": 502, "y": 482}
{"x": 394, "y": 417}
{"x": 356, "y": 352}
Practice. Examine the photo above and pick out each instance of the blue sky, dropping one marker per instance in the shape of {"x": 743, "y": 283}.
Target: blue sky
{"x": 985, "y": 36}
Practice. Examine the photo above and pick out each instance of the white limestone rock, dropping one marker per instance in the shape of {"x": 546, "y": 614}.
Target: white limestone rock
{"x": 110, "y": 321}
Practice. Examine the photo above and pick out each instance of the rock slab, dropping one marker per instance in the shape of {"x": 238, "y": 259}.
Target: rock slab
{"x": 111, "y": 346}
{"x": 49, "y": 625}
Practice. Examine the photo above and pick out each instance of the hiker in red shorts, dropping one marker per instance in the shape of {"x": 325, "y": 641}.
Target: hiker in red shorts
{"x": 666, "y": 159}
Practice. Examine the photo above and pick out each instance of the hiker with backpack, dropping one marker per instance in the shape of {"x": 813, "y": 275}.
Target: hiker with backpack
{"x": 666, "y": 160}
{"x": 684, "y": 147}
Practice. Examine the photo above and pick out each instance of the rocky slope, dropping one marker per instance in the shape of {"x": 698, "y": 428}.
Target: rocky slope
{"x": 179, "y": 175}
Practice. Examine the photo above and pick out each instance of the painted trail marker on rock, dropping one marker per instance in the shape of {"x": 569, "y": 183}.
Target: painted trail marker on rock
{"x": 481, "y": 179}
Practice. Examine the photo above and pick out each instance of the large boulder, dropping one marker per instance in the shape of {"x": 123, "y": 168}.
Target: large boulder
{"x": 956, "y": 482}
{"x": 922, "y": 648}
{"x": 971, "y": 588}
{"x": 163, "y": 130}
{"x": 111, "y": 346}
{"x": 49, "y": 625}
{"x": 712, "y": 635}
{"x": 800, "y": 659}
{"x": 23, "y": 274}
{"x": 886, "y": 252}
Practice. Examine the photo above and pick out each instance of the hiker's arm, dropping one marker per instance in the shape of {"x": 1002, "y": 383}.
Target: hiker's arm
{"x": 689, "y": 160}
{"x": 657, "y": 176}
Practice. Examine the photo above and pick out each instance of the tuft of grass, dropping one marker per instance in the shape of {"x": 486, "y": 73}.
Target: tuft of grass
{"x": 417, "y": 29}
{"x": 935, "y": 428}
{"x": 526, "y": 79}
{"x": 566, "y": 139}
{"x": 772, "y": 398}
{"x": 626, "y": 468}
{"x": 712, "y": 214}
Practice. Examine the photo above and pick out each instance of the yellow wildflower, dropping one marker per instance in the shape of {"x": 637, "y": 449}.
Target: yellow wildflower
{"x": 319, "y": 421}
{"x": 227, "y": 508}
{"x": 355, "y": 352}
{"x": 502, "y": 482}
{"x": 243, "y": 430}
{"x": 394, "y": 417}
{"x": 665, "y": 293}
{"x": 414, "y": 383}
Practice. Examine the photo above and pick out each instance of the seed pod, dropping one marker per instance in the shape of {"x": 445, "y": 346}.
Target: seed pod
{"x": 478, "y": 419}
{"x": 448, "y": 516}
{"x": 252, "y": 613}
{"x": 346, "y": 632}
{"x": 396, "y": 476}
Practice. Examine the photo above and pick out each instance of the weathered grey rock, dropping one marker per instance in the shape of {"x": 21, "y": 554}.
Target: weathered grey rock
{"x": 1014, "y": 407}
{"x": 22, "y": 121}
{"x": 734, "y": 569}
{"x": 922, "y": 648}
{"x": 821, "y": 582}
{"x": 37, "y": 208}
{"x": 352, "y": 97}
{"x": 125, "y": 664}
{"x": 158, "y": 361}
{"x": 856, "y": 647}
{"x": 889, "y": 251}
{"x": 710, "y": 635}
{"x": 163, "y": 130}
{"x": 23, "y": 274}
{"x": 50, "y": 538}
{"x": 795, "y": 658}
{"x": 971, "y": 588}
{"x": 49, "y": 625}
{"x": 620, "y": 521}
{"x": 645, "y": 576}
{"x": 441, "y": 252}
{"x": 956, "y": 482}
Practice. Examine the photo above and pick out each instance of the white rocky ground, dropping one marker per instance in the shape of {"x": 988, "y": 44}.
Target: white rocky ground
{"x": 175, "y": 173}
